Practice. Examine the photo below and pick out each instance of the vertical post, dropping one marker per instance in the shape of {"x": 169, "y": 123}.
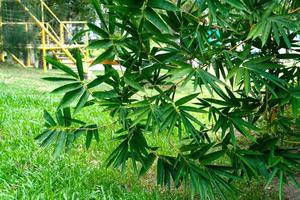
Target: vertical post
{"x": 2, "y": 58}
{"x": 27, "y": 47}
{"x": 44, "y": 64}
{"x": 47, "y": 37}
{"x": 62, "y": 33}
{"x": 87, "y": 52}
{"x": 86, "y": 55}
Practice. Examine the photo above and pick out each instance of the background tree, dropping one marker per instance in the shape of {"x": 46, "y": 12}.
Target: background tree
{"x": 237, "y": 62}
{"x": 72, "y": 10}
{"x": 15, "y": 37}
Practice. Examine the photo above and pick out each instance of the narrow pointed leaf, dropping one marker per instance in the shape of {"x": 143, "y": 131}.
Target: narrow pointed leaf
{"x": 61, "y": 66}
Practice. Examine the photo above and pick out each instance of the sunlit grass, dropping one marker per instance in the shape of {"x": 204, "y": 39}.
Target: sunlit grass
{"x": 30, "y": 172}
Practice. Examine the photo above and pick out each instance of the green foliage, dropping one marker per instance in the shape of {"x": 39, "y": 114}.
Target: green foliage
{"x": 26, "y": 173}
{"x": 15, "y": 37}
{"x": 233, "y": 50}
{"x": 77, "y": 9}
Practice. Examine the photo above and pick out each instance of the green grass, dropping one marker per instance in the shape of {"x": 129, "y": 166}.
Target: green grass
{"x": 30, "y": 172}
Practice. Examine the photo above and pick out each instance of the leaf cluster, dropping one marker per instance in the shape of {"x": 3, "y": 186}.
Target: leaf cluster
{"x": 242, "y": 104}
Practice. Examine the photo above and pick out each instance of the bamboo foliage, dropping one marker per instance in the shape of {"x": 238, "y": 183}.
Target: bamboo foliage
{"x": 229, "y": 53}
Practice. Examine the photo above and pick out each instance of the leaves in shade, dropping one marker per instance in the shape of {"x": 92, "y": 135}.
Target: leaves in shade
{"x": 133, "y": 84}
{"x": 156, "y": 20}
{"x": 162, "y": 4}
{"x": 100, "y": 44}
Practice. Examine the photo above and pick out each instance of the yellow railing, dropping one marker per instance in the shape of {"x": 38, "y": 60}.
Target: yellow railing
{"x": 49, "y": 27}
{"x": 2, "y": 59}
{"x": 62, "y": 26}
{"x": 52, "y": 37}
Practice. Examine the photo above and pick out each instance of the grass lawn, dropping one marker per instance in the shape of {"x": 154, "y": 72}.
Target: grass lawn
{"x": 30, "y": 172}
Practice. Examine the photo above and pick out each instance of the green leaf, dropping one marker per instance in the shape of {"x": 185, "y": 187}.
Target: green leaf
{"x": 59, "y": 144}
{"x": 67, "y": 87}
{"x": 295, "y": 106}
{"x": 237, "y": 4}
{"x": 79, "y": 34}
{"x": 139, "y": 115}
{"x": 256, "y": 30}
{"x": 162, "y": 4}
{"x": 160, "y": 172}
{"x": 294, "y": 181}
{"x": 212, "y": 10}
{"x": 106, "y": 55}
{"x": 271, "y": 178}
{"x": 192, "y": 109}
{"x": 280, "y": 185}
{"x": 61, "y": 66}
{"x": 211, "y": 81}
{"x": 186, "y": 99}
{"x": 82, "y": 101}
{"x": 60, "y": 117}
{"x": 266, "y": 33}
{"x": 239, "y": 125}
{"x": 179, "y": 73}
{"x": 274, "y": 79}
{"x": 97, "y": 30}
{"x": 285, "y": 37}
{"x": 67, "y": 116}
{"x": 152, "y": 28}
{"x": 133, "y": 84}
{"x": 44, "y": 135}
{"x": 156, "y": 20}
{"x": 248, "y": 164}
{"x": 105, "y": 94}
{"x": 59, "y": 79}
{"x": 49, "y": 118}
{"x": 99, "y": 11}
{"x": 211, "y": 157}
{"x": 199, "y": 153}
{"x": 69, "y": 97}
{"x": 100, "y": 44}
{"x": 89, "y": 137}
{"x": 247, "y": 81}
{"x": 51, "y": 138}
{"x": 99, "y": 80}
{"x": 79, "y": 65}
{"x": 275, "y": 33}
{"x": 147, "y": 164}
{"x": 232, "y": 72}
{"x": 96, "y": 134}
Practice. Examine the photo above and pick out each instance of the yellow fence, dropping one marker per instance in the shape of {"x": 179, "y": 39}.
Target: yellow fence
{"x": 51, "y": 38}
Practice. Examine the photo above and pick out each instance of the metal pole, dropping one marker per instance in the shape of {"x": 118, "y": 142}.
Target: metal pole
{"x": 87, "y": 52}
{"x": 2, "y": 58}
{"x": 27, "y": 48}
{"x": 62, "y": 33}
{"x": 44, "y": 64}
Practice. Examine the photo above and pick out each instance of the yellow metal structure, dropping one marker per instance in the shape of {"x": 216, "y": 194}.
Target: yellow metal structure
{"x": 50, "y": 41}
{"x": 17, "y": 60}
{"x": 2, "y": 59}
